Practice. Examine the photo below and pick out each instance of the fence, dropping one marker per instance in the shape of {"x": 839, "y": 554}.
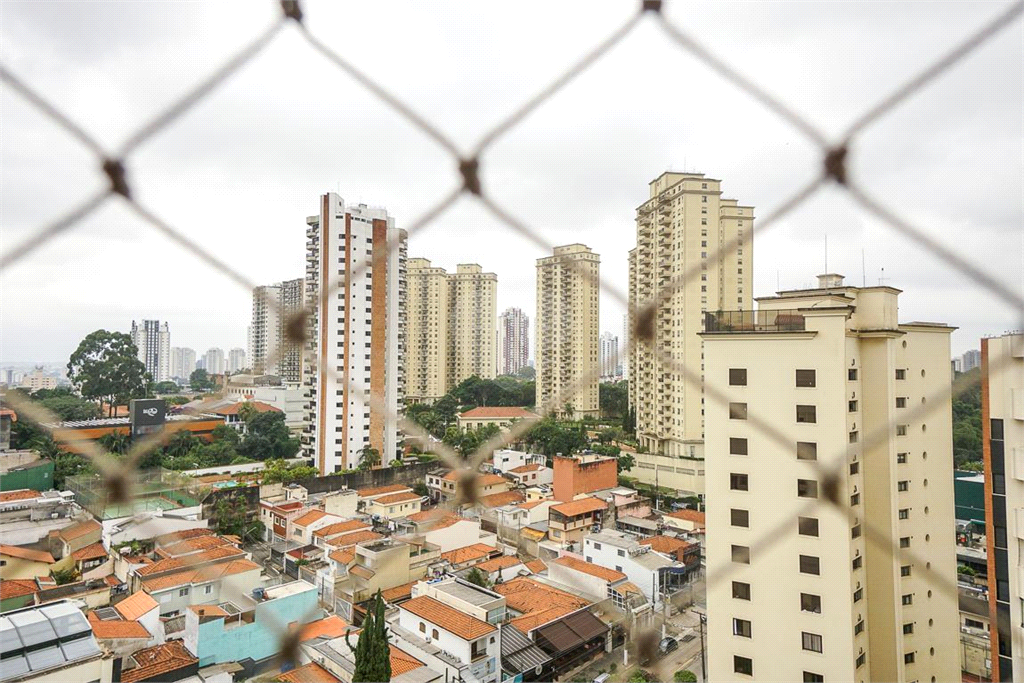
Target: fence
{"x": 114, "y": 165}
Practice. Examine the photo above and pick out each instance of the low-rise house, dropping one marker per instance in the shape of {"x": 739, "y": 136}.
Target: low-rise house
{"x": 393, "y": 505}
{"x": 148, "y": 526}
{"x": 308, "y": 673}
{"x": 19, "y": 562}
{"x": 445, "y": 485}
{"x": 658, "y": 575}
{"x": 200, "y": 579}
{"x": 677, "y": 549}
{"x": 75, "y": 537}
{"x": 335, "y": 658}
{"x": 531, "y": 475}
{"x": 598, "y": 583}
{"x": 521, "y": 658}
{"x": 467, "y": 556}
{"x": 683, "y": 520}
{"x": 91, "y": 558}
{"x": 249, "y": 625}
{"x": 499, "y": 568}
{"x": 51, "y": 643}
{"x": 466, "y": 597}
{"x": 344, "y": 503}
{"x": 448, "y": 532}
{"x": 578, "y": 475}
{"x": 17, "y": 593}
{"x": 505, "y": 460}
{"x": 511, "y": 519}
{"x": 532, "y": 604}
{"x": 325, "y": 536}
{"x": 503, "y": 417}
{"x": 462, "y": 646}
{"x": 302, "y": 528}
{"x": 439, "y": 486}
{"x": 141, "y": 607}
{"x": 569, "y": 522}
{"x": 275, "y": 518}
{"x": 28, "y": 516}
{"x": 370, "y": 493}
{"x": 94, "y": 593}
{"x": 169, "y": 661}
{"x": 377, "y": 565}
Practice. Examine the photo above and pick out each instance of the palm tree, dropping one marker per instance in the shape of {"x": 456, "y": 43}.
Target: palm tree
{"x": 369, "y": 457}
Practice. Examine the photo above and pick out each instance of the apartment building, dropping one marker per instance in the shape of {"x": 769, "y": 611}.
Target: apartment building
{"x": 236, "y": 360}
{"x": 829, "y": 397}
{"x": 568, "y": 287}
{"x": 153, "y": 340}
{"x": 427, "y": 356}
{"x": 685, "y": 225}
{"x": 271, "y": 350}
{"x": 609, "y": 356}
{"x": 214, "y": 362}
{"x": 183, "y": 362}
{"x": 513, "y": 341}
{"x": 1002, "y": 423}
{"x": 472, "y": 315}
{"x": 356, "y": 274}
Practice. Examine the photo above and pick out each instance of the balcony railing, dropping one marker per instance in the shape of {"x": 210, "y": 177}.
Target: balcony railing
{"x": 782, "y": 320}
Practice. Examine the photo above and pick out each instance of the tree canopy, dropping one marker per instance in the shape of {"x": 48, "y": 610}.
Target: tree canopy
{"x": 372, "y": 652}
{"x": 106, "y": 367}
{"x": 200, "y": 380}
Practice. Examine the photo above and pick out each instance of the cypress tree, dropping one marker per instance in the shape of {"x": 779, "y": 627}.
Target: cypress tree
{"x": 372, "y": 652}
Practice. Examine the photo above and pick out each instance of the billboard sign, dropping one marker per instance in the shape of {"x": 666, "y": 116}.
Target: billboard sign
{"x": 147, "y": 415}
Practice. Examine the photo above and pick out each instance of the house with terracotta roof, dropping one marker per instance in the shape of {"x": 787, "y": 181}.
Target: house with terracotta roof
{"x": 24, "y": 562}
{"x": 569, "y": 522}
{"x": 501, "y": 568}
{"x": 683, "y": 520}
{"x": 90, "y": 558}
{"x": 462, "y": 646}
{"x": 301, "y": 528}
{"x": 506, "y": 459}
{"x": 657, "y": 574}
{"x": 17, "y": 593}
{"x": 232, "y": 412}
{"x": 308, "y": 673}
{"x": 598, "y": 583}
{"x": 368, "y": 493}
{"x": 76, "y": 536}
{"x": 324, "y": 536}
{"x": 333, "y": 657}
{"x": 531, "y": 475}
{"x": 141, "y": 607}
{"x": 170, "y": 661}
{"x": 380, "y": 564}
{"x": 533, "y": 604}
{"x": 199, "y": 579}
{"x": 676, "y": 548}
{"x": 276, "y": 515}
{"x": 393, "y": 505}
{"x": 248, "y": 626}
{"x": 467, "y": 556}
{"x": 500, "y": 416}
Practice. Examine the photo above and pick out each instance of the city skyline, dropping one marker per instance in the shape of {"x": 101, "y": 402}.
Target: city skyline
{"x": 909, "y": 172}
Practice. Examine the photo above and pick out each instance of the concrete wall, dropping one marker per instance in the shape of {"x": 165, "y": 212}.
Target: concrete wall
{"x": 573, "y": 476}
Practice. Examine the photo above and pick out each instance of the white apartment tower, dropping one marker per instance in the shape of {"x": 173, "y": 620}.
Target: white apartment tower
{"x": 568, "y": 289}
{"x": 354, "y": 365}
{"x": 153, "y": 340}
{"x": 236, "y": 360}
{"x": 472, "y": 313}
{"x": 685, "y": 226}
{"x": 513, "y": 341}
{"x": 271, "y": 351}
{"x": 827, "y": 397}
{"x": 214, "y": 362}
{"x": 1002, "y": 414}
{"x": 609, "y": 356}
{"x": 183, "y": 362}
{"x": 427, "y": 354}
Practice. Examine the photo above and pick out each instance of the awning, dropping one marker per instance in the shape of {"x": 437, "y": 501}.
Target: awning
{"x": 569, "y": 633}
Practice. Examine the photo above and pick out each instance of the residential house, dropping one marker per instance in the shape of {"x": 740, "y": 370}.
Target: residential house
{"x": 677, "y": 549}
{"x": 170, "y": 661}
{"x": 443, "y": 529}
{"x": 87, "y": 560}
{"x": 393, "y": 505}
{"x": 578, "y": 475}
{"x": 505, "y": 460}
{"x": 334, "y": 657}
{"x": 49, "y": 644}
{"x": 370, "y": 493}
{"x": 324, "y": 536}
{"x": 531, "y": 475}
{"x": 502, "y": 417}
{"x": 201, "y": 579}
{"x": 521, "y": 658}
{"x": 377, "y": 565}
{"x": 148, "y": 526}
{"x": 466, "y": 597}
{"x": 248, "y": 625}
{"x": 75, "y": 537}
{"x": 657, "y": 574}
{"x": 27, "y": 515}
{"x": 343, "y": 503}
{"x": 511, "y": 519}
{"x": 467, "y": 556}
{"x": 683, "y": 520}
{"x": 464, "y": 647}
{"x": 569, "y": 522}
{"x": 301, "y": 528}
{"x": 276, "y": 516}
{"x": 598, "y": 583}
{"x": 17, "y": 593}
{"x": 499, "y": 568}
{"x": 19, "y": 562}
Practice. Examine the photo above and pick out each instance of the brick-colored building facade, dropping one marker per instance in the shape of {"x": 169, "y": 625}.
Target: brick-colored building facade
{"x": 579, "y": 474}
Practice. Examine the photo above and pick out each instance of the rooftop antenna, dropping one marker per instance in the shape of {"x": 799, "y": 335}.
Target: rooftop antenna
{"x": 826, "y": 253}
{"x": 863, "y": 271}
{"x": 778, "y": 287}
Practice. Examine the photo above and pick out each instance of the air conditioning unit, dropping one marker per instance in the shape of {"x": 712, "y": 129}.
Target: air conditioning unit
{"x": 427, "y": 638}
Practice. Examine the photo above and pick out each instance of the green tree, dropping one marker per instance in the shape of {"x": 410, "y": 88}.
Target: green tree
{"x": 277, "y": 471}
{"x": 629, "y": 421}
{"x": 372, "y": 652}
{"x": 106, "y": 367}
{"x": 369, "y": 457}
{"x": 626, "y": 462}
{"x": 164, "y": 387}
{"x": 684, "y": 676}
{"x": 267, "y": 436}
{"x": 966, "y": 408}
{"x": 200, "y": 380}
{"x": 477, "y": 577}
{"x": 117, "y": 443}
{"x": 526, "y": 372}
{"x": 420, "y": 489}
{"x": 63, "y": 576}
{"x": 613, "y": 398}
{"x": 231, "y": 517}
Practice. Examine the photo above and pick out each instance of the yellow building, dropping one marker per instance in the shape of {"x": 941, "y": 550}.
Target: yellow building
{"x": 472, "y": 323}
{"x": 567, "y": 331}
{"x": 827, "y": 383}
{"x": 685, "y": 225}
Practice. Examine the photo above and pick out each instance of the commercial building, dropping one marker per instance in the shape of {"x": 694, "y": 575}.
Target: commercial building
{"x": 1002, "y": 425}
{"x": 272, "y": 352}
{"x": 51, "y": 643}
{"x": 568, "y": 285}
{"x": 685, "y": 226}
{"x": 859, "y": 413}
{"x": 513, "y": 341}
{"x": 183, "y": 363}
{"x": 356, "y": 274}
{"x": 609, "y": 356}
{"x": 153, "y": 340}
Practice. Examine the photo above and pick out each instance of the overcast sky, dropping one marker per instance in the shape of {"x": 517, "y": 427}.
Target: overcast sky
{"x": 241, "y": 171}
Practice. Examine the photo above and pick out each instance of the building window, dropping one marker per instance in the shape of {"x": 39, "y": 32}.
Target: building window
{"x": 907, "y": 599}
{"x": 909, "y": 658}
{"x": 858, "y": 628}
{"x": 813, "y": 677}
{"x": 811, "y": 641}
{"x": 805, "y": 378}
{"x": 855, "y": 531}
{"x": 903, "y": 485}
{"x": 808, "y": 526}
{"x": 901, "y": 401}
{"x": 806, "y": 414}
{"x": 901, "y": 373}
{"x": 905, "y": 541}
{"x": 861, "y": 660}
{"x": 901, "y": 430}
{"x": 851, "y": 406}
{"x": 743, "y": 665}
{"x": 597, "y": 546}
{"x": 855, "y": 499}
{"x": 854, "y": 467}
{"x": 851, "y": 374}
{"x": 740, "y": 517}
{"x": 737, "y": 411}
{"x": 740, "y": 590}
{"x": 858, "y": 594}
{"x": 807, "y": 488}
{"x": 183, "y": 592}
{"x": 738, "y": 482}
{"x": 809, "y": 564}
{"x": 901, "y": 458}
{"x": 904, "y": 513}
{"x": 621, "y": 552}
{"x": 858, "y": 562}
{"x": 908, "y": 629}
{"x": 741, "y": 627}
{"x": 905, "y": 570}
{"x": 806, "y": 450}
{"x": 737, "y": 446}
{"x": 810, "y": 603}
{"x": 741, "y": 554}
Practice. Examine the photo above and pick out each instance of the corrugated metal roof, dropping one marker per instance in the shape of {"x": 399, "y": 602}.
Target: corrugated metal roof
{"x": 569, "y": 633}
{"x": 518, "y": 653}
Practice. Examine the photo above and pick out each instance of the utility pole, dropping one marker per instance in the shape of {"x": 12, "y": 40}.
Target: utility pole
{"x": 703, "y": 657}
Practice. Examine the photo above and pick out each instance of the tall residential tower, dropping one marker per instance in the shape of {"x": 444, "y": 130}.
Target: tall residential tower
{"x": 427, "y": 355}
{"x": 829, "y": 459}
{"x": 153, "y": 340}
{"x": 271, "y": 352}
{"x": 513, "y": 341}
{"x": 357, "y": 258}
{"x": 568, "y": 289}
{"x": 472, "y": 311}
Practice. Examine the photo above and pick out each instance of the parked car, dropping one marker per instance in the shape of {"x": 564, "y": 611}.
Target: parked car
{"x": 667, "y": 645}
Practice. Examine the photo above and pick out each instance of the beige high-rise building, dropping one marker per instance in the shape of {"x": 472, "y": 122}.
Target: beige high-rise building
{"x": 1002, "y": 415}
{"x": 472, "y": 319}
{"x": 567, "y": 332}
{"x": 270, "y": 350}
{"x": 356, "y": 255}
{"x": 848, "y": 390}
{"x": 427, "y": 355}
